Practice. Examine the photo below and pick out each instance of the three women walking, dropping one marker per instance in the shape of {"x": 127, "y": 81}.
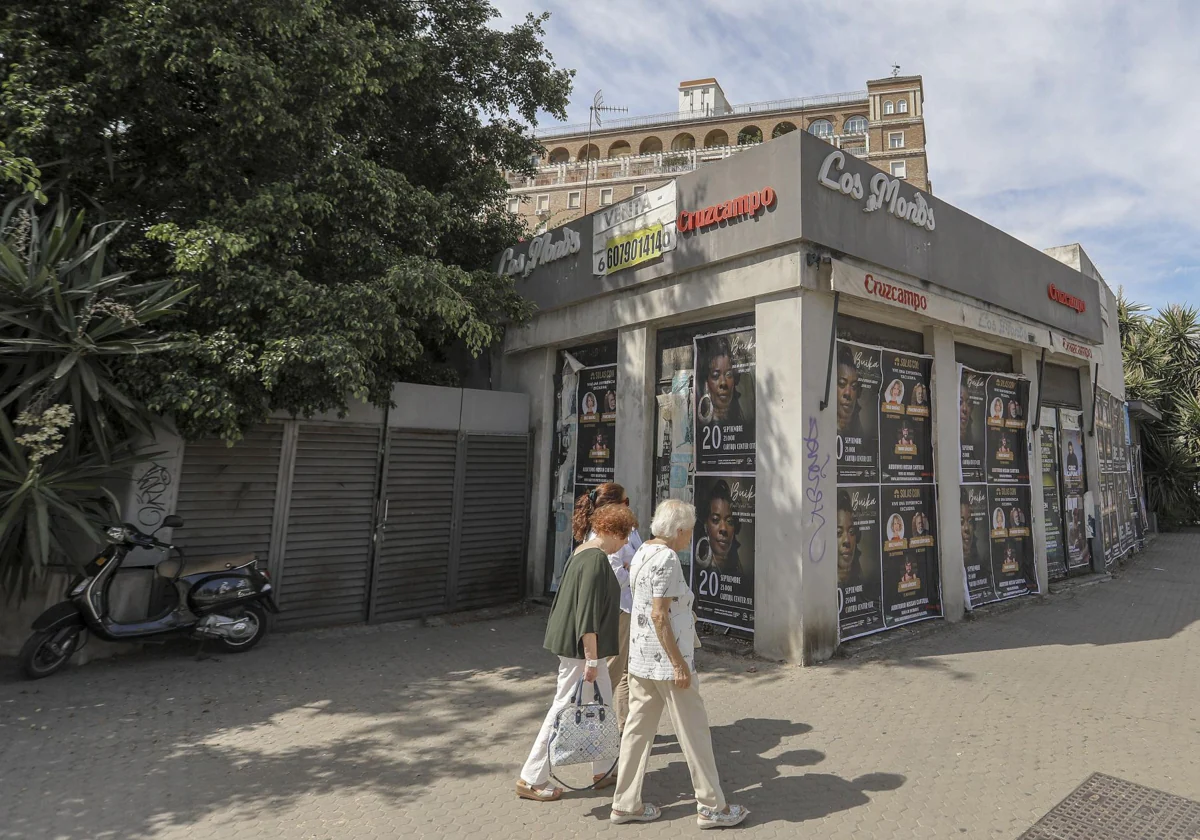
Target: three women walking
{"x": 659, "y": 646}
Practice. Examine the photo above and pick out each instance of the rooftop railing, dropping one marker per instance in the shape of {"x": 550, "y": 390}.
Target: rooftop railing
{"x": 642, "y": 166}
{"x": 678, "y": 117}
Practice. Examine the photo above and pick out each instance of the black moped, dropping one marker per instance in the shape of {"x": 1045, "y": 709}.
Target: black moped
{"x": 224, "y": 599}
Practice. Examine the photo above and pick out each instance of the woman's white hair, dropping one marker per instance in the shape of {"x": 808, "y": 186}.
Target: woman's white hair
{"x": 672, "y": 517}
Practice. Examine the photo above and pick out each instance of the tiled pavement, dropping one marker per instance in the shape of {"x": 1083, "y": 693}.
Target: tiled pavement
{"x": 973, "y": 731}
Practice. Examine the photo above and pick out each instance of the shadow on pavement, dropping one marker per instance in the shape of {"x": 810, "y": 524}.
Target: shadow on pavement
{"x": 761, "y": 782}
{"x": 129, "y": 747}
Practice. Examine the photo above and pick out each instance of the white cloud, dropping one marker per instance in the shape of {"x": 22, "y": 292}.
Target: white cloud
{"x": 1058, "y": 120}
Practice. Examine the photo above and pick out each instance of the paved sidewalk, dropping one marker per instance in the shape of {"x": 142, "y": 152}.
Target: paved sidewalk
{"x": 969, "y": 731}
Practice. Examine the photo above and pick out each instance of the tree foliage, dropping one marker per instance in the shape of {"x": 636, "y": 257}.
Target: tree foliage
{"x": 1162, "y": 367}
{"x": 328, "y": 174}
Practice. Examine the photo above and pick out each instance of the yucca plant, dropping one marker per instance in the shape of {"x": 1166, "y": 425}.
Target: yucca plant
{"x": 1162, "y": 366}
{"x": 67, "y": 427}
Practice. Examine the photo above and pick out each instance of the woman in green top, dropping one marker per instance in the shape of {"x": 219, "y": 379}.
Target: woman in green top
{"x": 582, "y": 632}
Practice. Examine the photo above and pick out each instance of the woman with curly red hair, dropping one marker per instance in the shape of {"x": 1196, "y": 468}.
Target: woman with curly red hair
{"x": 582, "y": 632}
{"x": 585, "y": 507}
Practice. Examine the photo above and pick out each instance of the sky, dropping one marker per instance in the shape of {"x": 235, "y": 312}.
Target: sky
{"x": 1058, "y": 121}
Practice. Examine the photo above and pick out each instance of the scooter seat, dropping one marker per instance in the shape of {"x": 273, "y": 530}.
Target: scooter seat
{"x": 169, "y": 568}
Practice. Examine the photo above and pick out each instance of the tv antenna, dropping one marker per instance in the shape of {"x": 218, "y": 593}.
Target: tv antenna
{"x": 895, "y": 70}
{"x": 594, "y": 111}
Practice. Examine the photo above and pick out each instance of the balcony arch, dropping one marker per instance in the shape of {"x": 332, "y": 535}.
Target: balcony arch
{"x": 620, "y": 149}
{"x": 782, "y": 128}
{"x": 716, "y": 137}
{"x": 588, "y": 152}
{"x": 650, "y": 146}
{"x": 821, "y": 128}
{"x": 560, "y": 155}
{"x": 683, "y": 142}
{"x": 750, "y": 134}
{"x": 856, "y": 124}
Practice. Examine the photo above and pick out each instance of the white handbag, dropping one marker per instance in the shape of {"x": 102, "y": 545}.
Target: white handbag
{"x": 583, "y": 733}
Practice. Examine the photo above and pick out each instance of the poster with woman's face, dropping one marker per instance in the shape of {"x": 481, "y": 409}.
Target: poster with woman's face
{"x": 860, "y": 609}
{"x": 857, "y": 379}
{"x": 596, "y": 440}
{"x": 974, "y": 530}
{"x": 725, "y": 365}
{"x": 905, "y": 425}
{"x": 723, "y": 550}
{"x": 1071, "y": 442}
{"x": 972, "y": 411}
{"x": 1007, "y": 454}
{"x": 1011, "y": 545}
{"x": 910, "y": 556}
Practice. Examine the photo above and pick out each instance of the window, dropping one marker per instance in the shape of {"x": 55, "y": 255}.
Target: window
{"x": 989, "y": 361}
{"x": 514, "y": 205}
{"x": 850, "y": 328}
{"x": 902, "y": 106}
{"x": 573, "y": 199}
{"x": 889, "y": 107}
{"x": 639, "y": 189}
{"x": 606, "y": 196}
{"x": 899, "y": 169}
{"x": 856, "y": 125}
{"x": 895, "y": 139}
{"x": 821, "y": 128}
{"x": 543, "y": 205}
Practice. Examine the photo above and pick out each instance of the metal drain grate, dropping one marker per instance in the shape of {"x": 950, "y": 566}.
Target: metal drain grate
{"x": 1107, "y": 808}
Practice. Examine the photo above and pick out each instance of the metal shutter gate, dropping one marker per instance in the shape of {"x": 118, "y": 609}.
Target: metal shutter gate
{"x": 330, "y": 526}
{"x": 227, "y": 495}
{"x": 491, "y": 555}
{"x": 412, "y": 572}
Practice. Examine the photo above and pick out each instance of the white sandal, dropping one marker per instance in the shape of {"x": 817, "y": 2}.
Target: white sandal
{"x": 545, "y": 793}
{"x": 649, "y": 813}
{"x": 712, "y": 818}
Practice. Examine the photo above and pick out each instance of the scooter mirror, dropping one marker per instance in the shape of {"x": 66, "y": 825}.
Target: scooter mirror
{"x": 172, "y": 521}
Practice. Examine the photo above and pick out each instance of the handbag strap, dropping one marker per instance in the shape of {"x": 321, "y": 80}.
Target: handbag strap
{"x": 577, "y": 694}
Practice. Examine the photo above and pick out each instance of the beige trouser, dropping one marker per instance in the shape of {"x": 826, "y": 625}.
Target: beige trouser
{"x": 646, "y": 701}
{"x": 616, "y": 674}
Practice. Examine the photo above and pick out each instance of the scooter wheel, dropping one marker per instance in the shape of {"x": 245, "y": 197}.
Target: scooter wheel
{"x": 258, "y": 617}
{"x": 47, "y": 651}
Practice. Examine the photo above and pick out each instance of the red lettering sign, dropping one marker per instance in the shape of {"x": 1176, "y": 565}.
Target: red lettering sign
{"x": 690, "y": 221}
{"x": 1068, "y": 300}
{"x": 1081, "y": 350}
{"x": 896, "y": 294}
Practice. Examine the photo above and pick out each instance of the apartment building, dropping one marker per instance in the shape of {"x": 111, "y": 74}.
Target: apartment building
{"x": 578, "y": 172}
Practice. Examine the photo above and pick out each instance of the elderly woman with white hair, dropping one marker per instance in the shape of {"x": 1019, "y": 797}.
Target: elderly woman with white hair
{"x": 662, "y": 673}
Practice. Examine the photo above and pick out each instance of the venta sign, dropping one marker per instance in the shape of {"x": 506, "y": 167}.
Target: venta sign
{"x": 542, "y": 249}
{"x": 885, "y": 192}
{"x": 744, "y": 206}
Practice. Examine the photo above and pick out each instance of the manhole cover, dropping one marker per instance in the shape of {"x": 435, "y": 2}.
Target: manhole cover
{"x": 1106, "y": 808}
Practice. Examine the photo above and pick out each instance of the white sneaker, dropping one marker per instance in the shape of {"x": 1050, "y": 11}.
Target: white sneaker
{"x": 712, "y": 818}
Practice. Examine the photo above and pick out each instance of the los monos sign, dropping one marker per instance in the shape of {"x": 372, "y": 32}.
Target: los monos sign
{"x": 884, "y": 191}
{"x": 542, "y": 249}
